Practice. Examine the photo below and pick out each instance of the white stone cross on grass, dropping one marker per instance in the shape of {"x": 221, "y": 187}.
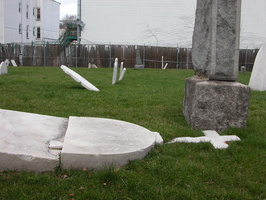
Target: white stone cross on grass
{"x": 219, "y": 142}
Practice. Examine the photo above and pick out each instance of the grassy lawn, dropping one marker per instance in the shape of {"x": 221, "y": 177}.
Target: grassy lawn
{"x": 153, "y": 99}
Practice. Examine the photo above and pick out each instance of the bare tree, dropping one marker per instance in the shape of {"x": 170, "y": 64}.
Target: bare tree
{"x": 67, "y": 20}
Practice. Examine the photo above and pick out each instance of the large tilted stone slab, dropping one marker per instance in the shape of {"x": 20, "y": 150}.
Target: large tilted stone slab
{"x": 258, "y": 75}
{"x": 98, "y": 143}
{"x": 215, "y": 105}
{"x": 24, "y": 140}
{"x": 86, "y": 84}
{"x": 215, "y": 46}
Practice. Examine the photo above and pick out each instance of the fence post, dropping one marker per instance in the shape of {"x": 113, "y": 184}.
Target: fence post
{"x": 76, "y": 55}
{"x": 246, "y": 57}
{"x": 143, "y": 56}
{"x": 187, "y": 58}
{"x": 177, "y": 52}
{"x": 110, "y": 55}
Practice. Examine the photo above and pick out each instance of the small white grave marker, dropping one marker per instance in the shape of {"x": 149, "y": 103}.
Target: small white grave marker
{"x": 210, "y": 136}
{"x": 3, "y": 68}
{"x": 115, "y": 72}
{"x": 13, "y": 62}
{"x": 122, "y": 71}
{"x": 7, "y": 62}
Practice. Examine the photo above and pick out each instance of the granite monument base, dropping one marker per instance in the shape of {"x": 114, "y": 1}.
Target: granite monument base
{"x": 139, "y": 67}
{"x": 215, "y": 105}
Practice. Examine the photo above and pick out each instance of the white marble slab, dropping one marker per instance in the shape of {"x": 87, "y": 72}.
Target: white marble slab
{"x": 98, "y": 143}
{"x": 86, "y": 84}
{"x": 24, "y": 140}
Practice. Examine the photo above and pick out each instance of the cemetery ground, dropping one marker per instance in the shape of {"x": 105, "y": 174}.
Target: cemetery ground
{"x": 151, "y": 98}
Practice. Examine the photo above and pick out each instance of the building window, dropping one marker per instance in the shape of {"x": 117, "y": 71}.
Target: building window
{"x": 38, "y": 33}
{"x": 19, "y": 7}
{"x": 20, "y": 28}
{"x": 38, "y": 17}
{"x": 33, "y": 11}
{"x": 27, "y": 32}
{"x": 27, "y": 12}
{"x": 33, "y": 31}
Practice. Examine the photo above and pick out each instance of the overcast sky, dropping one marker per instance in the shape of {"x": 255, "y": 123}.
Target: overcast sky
{"x": 68, "y": 7}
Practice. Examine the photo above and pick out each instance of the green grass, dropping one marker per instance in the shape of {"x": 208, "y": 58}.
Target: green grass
{"x": 151, "y": 98}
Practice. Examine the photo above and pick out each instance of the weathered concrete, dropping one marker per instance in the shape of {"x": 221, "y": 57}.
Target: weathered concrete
{"x": 24, "y": 139}
{"x": 258, "y": 75}
{"x": 98, "y": 143}
{"x": 215, "y": 46}
{"x": 215, "y": 105}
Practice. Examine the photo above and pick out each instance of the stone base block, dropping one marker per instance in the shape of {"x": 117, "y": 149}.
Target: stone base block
{"x": 139, "y": 67}
{"x": 215, "y": 105}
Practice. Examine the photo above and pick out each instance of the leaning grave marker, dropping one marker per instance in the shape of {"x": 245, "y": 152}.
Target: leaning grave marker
{"x": 213, "y": 100}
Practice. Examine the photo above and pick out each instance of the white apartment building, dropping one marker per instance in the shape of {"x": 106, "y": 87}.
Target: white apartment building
{"x": 26, "y": 21}
{"x": 160, "y": 22}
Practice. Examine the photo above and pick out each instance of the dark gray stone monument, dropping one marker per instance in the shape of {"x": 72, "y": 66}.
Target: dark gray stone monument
{"x": 213, "y": 100}
{"x": 138, "y": 64}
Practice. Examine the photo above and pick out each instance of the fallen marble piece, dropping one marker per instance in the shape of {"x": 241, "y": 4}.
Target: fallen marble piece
{"x": 86, "y": 84}
{"x": 32, "y": 142}
{"x": 219, "y": 142}
{"x": 96, "y": 143}
{"x": 24, "y": 139}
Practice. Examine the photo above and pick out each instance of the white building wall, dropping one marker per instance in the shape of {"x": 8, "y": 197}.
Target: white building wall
{"x": 50, "y": 14}
{"x": 26, "y": 16}
{"x": 1, "y": 21}
{"x": 159, "y": 22}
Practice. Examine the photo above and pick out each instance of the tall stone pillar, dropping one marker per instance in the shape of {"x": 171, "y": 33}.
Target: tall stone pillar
{"x": 216, "y": 36}
{"x": 213, "y": 100}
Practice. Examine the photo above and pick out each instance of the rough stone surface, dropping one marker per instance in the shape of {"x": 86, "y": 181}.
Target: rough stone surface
{"x": 258, "y": 75}
{"x": 215, "y": 105}
{"x": 24, "y": 140}
{"x": 215, "y": 46}
{"x": 3, "y": 68}
{"x": 98, "y": 143}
